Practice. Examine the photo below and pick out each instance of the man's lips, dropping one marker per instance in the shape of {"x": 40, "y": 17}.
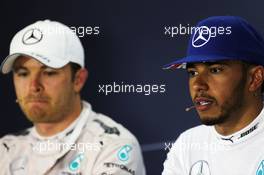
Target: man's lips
{"x": 37, "y": 101}
{"x": 203, "y": 103}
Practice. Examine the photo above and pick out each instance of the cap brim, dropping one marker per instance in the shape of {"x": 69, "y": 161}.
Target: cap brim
{"x": 8, "y": 62}
{"x": 181, "y": 63}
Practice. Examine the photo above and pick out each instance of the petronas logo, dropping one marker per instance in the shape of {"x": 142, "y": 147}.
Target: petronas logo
{"x": 76, "y": 162}
{"x": 123, "y": 153}
{"x": 260, "y": 170}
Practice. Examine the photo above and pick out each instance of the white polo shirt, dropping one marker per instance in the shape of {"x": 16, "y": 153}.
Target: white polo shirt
{"x": 202, "y": 151}
{"x": 92, "y": 145}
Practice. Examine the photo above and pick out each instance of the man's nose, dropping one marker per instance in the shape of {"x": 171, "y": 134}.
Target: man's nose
{"x": 36, "y": 84}
{"x": 200, "y": 83}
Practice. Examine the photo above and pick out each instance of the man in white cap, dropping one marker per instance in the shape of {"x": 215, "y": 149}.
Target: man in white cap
{"x": 47, "y": 60}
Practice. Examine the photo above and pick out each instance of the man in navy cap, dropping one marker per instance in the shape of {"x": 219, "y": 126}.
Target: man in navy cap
{"x": 225, "y": 60}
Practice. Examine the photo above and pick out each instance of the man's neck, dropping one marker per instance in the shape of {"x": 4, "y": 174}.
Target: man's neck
{"x": 241, "y": 119}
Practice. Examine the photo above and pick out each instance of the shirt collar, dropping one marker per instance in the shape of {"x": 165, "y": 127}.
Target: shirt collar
{"x": 247, "y": 132}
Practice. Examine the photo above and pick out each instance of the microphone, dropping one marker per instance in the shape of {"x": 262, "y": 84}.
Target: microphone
{"x": 18, "y": 100}
{"x": 189, "y": 108}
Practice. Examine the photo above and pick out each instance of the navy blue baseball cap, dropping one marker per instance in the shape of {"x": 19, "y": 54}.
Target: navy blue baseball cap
{"x": 222, "y": 38}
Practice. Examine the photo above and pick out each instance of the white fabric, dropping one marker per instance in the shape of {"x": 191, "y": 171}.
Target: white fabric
{"x": 95, "y": 145}
{"x": 202, "y": 151}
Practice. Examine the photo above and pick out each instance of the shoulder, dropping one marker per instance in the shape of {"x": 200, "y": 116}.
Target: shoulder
{"x": 197, "y": 135}
{"x": 180, "y": 151}
{"x": 117, "y": 146}
{"x": 197, "y": 131}
{"x": 104, "y": 128}
{"x": 19, "y": 135}
{"x": 12, "y": 140}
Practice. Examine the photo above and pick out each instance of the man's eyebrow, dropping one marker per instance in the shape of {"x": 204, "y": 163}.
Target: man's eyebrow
{"x": 16, "y": 68}
{"x": 219, "y": 62}
{"x": 44, "y": 67}
{"x": 192, "y": 65}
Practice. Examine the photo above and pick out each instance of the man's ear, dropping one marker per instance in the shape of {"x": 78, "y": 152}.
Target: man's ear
{"x": 79, "y": 79}
{"x": 256, "y": 74}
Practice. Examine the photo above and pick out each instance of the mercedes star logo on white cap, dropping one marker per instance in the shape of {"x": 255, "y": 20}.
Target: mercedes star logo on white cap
{"x": 32, "y": 36}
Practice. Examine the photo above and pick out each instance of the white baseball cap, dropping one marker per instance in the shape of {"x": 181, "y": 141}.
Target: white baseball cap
{"x": 50, "y": 42}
